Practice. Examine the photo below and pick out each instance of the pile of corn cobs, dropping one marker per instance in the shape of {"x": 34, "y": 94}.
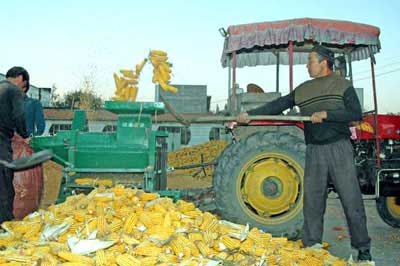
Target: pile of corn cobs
{"x": 196, "y": 154}
{"x": 123, "y": 226}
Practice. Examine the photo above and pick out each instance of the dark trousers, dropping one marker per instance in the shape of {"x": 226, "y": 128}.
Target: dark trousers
{"x": 7, "y": 192}
{"x": 333, "y": 162}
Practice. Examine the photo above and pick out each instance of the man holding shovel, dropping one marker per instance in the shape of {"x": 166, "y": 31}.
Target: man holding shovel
{"x": 11, "y": 119}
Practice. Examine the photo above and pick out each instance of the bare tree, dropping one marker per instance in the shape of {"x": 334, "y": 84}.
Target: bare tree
{"x": 84, "y": 97}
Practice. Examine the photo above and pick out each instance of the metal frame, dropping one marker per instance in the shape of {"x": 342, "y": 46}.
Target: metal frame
{"x": 377, "y": 138}
{"x": 378, "y": 179}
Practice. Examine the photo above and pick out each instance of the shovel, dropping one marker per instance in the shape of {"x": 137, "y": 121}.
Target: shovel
{"x": 27, "y": 162}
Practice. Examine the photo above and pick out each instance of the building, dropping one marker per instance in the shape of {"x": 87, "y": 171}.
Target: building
{"x": 61, "y": 119}
{"x": 190, "y": 99}
{"x": 42, "y": 94}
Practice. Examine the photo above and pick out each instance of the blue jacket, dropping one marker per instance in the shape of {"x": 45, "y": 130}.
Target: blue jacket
{"x": 34, "y": 116}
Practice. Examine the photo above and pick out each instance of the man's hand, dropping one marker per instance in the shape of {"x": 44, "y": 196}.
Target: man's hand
{"x": 318, "y": 117}
{"x": 243, "y": 118}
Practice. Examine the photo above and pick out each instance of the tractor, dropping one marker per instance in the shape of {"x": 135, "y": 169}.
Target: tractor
{"x": 258, "y": 180}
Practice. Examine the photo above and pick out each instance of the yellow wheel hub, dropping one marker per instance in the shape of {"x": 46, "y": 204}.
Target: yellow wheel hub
{"x": 270, "y": 187}
{"x": 393, "y": 208}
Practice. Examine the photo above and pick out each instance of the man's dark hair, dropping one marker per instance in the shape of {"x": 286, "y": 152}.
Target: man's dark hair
{"x": 16, "y": 71}
{"x": 324, "y": 54}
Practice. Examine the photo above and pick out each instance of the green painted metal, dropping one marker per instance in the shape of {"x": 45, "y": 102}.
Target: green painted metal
{"x": 120, "y": 107}
{"x": 131, "y": 149}
{"x": 174, "y": 194}
{"x": 80, "y": 121}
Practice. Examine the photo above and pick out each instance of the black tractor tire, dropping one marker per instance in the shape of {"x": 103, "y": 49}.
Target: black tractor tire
{"x": 389, "y": 210}
{"x": 230, "y": 176}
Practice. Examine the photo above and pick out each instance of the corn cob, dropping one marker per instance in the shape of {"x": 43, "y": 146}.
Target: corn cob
{"x": 178, "y": 247}
{"x": 118, "y": 190}
{"x": 74, "y": 264}
{"x": 166, "y": 67}
{"x": 205, "y": 250}
{"x": 101, "y": 225}
{"x": 128, "y": 73}
{"x": 115, "y": 225}
{"x": 157, "y": 53}
{"x": 193, "y": 214}
{"x": 167, "y": 258}
{"x": 147, "y": 250}
{"x": 184, "y": 206}
{"x": 230, "y": 243}
{"x": 117, "y": 248}
{"x": 158, "y": 208}
{"x": 149, "y": 261}
{"x": 91, "y": 207}
{"x": 148, "y": 196}
{"x": 312, "y": 261}
{"x": 139, "y": 67}
{"x": 71, "y": 257}
{"x": 130, "y": 223}
{"x": 129, "y": 240}
{"x": 210, "y": 223}
{"x": 127, "y": 260}
{"x": 101, "y": 258}
{"x": 167, "y": 87}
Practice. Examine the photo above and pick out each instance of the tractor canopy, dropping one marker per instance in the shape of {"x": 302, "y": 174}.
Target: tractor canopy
{"x": 259, "y": 43}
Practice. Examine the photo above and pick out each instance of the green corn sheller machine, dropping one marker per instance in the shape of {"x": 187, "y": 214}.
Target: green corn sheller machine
{"x": 135, "y": 154}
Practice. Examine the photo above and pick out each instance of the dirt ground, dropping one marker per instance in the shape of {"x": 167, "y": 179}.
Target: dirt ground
{"x": 385, "y": 239}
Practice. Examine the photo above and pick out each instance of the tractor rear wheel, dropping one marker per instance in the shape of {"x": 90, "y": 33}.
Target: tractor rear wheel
{"x": 259, "y": 181}
{"x": 389, "y": 210}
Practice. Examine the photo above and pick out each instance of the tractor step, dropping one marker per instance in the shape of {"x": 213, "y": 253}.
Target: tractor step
{"x": 389, "y": 188}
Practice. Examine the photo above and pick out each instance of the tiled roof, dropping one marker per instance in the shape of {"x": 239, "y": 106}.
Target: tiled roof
{"x": 65, "y": 114}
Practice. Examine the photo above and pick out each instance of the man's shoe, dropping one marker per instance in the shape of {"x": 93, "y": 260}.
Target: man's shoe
{"x": 364, "y": 255}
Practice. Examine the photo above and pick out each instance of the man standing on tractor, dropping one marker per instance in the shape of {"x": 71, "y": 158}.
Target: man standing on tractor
{"x": 332, "y": 103}
{"x": 11, "y": 119}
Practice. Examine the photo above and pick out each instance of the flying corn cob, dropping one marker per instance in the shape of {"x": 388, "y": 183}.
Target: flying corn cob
{"x": 139, "y": 67}
{"x": 129, "y": 74}
{"x": 162, "y": 70}
{"x": 157, "y": 53}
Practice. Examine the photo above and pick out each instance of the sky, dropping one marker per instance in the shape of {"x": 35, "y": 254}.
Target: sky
{"x": 61, "y": 42}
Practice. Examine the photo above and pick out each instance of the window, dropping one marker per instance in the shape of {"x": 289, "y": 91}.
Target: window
{"x": 185, "y": 135}
{"x": 110, "y": 128}
{"x": 57, "y": 127}
{"x": 214, "y": 133}
{"x": 184, "y": 132}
